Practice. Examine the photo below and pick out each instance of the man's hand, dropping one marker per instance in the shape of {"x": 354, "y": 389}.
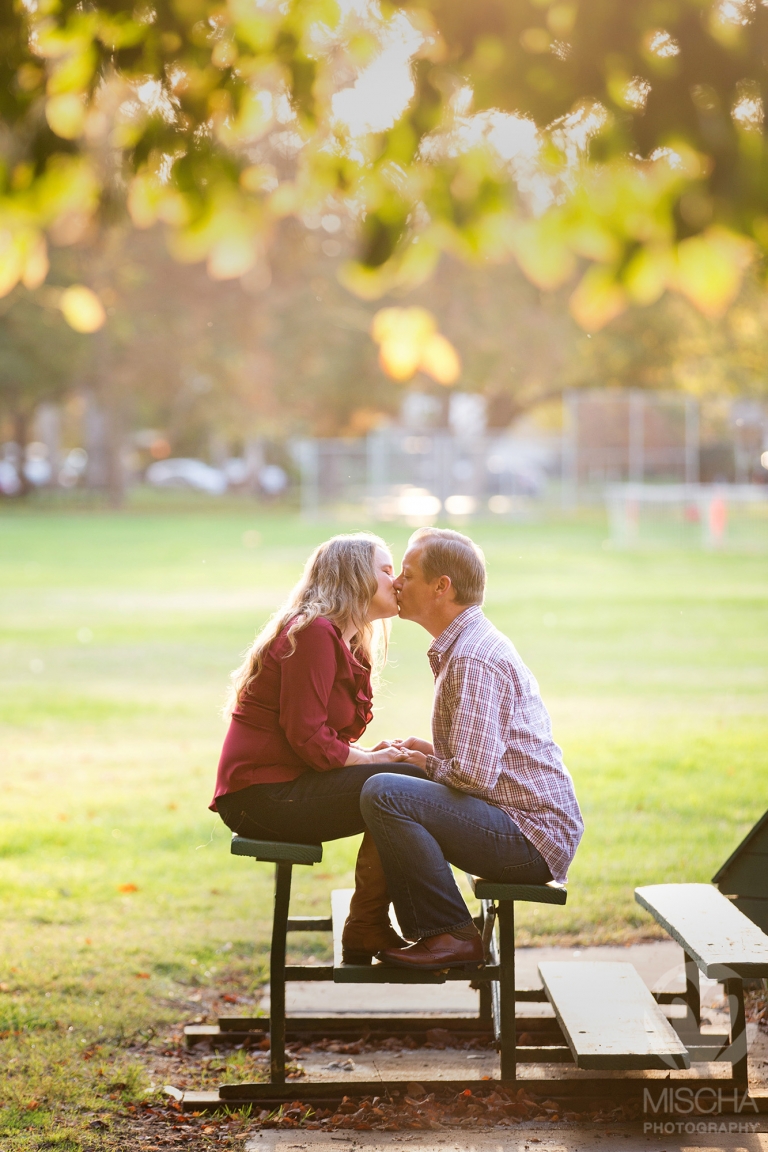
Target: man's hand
{"x": 411, "y": 751}
{"x": 382, "y": 744}
{"x": 386, "y": 753}
{"x": 413, "y": 756}
{"x": 383, "y": 753}
{"x": 417, "y": 745}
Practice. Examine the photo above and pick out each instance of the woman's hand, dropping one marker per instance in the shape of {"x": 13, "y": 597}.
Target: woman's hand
{"x": 414, "y": 756}
{"x": 389, "y": 754}
{"x": 410, "y": 751}
{"x": 383, "y": 753}
{"x": 414, "y": 744}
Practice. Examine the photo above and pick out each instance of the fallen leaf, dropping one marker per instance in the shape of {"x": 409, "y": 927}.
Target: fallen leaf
{"x": 141, "y": 975}
{"x": 127, "y": 887}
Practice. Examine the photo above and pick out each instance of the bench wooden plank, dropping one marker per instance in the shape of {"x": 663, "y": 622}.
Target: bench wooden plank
{"x": 721, "y": 939}
{"x": 609, "y": 1017}
{"x": 275, "y": 852}
{"x": 552, "y": 893}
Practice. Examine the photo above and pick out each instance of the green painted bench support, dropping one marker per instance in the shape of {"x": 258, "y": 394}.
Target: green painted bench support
{"x": 283, "y": 856}
{"x": 498, "y": 905}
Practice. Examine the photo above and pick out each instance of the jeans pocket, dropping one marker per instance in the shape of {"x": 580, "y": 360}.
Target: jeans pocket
{"x": 533, "y": 871}
{"x": 254, "y": 830}
{"x": 239, "y": 822}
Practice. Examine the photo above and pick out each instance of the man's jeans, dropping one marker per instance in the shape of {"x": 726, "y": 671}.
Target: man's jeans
{"x": 421, "y": 828}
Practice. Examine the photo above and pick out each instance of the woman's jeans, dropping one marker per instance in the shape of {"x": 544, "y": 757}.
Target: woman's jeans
{"x": 419, "y": 827}
{"x": 314, "y": 807}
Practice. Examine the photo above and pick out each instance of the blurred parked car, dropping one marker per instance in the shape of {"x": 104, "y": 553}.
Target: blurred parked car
{"x": 9, "y": 478}
{"x": 273, "y": 480}
{"x": 186, "y": 473}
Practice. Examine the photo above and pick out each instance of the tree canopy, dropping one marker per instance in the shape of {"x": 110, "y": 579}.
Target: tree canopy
{"x": 617, "y": 145}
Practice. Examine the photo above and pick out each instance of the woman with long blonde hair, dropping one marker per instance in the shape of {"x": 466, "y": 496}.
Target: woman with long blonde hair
{"x": 290, "y": 768}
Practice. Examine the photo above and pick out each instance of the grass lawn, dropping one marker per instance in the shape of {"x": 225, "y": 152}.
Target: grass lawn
{"x": 124, "y": 915}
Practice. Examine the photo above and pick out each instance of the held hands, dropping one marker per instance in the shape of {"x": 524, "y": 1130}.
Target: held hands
{"x": 385, "y": 752}
{"x": 411, "y": 751}
{"x": 416, "y": 745}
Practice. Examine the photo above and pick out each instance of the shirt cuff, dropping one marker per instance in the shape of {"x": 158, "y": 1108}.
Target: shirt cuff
{"x": 323, "y": 755}
{"x": 437, "y": 769}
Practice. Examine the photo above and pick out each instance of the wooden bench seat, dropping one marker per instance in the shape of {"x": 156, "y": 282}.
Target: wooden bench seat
{"x": 275, "y": 852}
{"x": 551, "y": 893}
{"x": 721, "y": 939}
{"x": 609, "y": 1018}
{"x": 721, "y": 942}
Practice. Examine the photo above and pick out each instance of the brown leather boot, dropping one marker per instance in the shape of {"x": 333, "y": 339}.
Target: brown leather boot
{"x": 367, "y": 929}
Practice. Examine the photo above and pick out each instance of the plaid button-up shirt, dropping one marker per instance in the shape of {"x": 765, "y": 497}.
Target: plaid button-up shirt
{"x": 493, "y": 737}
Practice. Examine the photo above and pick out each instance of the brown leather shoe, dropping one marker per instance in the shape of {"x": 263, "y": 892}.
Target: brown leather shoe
{"x": 432, "y": 953}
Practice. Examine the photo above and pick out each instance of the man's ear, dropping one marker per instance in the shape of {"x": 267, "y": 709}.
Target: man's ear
{"x": 443, "y": 587}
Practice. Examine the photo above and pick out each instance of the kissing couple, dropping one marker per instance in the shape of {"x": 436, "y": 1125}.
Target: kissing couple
{"x": 490, "y": 794}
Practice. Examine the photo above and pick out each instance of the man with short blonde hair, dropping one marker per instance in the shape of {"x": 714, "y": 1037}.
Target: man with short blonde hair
{"x": 442, "y": 551}
{"x": 498, "y": 801}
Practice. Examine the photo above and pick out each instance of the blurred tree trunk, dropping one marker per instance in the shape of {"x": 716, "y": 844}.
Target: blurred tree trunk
{"x": 109, "y": 393}
{"x": 21, "y": 423}
{"x": 108, "y": 253}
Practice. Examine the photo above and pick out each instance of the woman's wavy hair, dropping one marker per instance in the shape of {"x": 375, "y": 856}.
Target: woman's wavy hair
{"x": 339, "y": 583}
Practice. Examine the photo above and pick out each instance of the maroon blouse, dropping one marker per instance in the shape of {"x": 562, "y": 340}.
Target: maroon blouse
{"x": 301, "y": 712}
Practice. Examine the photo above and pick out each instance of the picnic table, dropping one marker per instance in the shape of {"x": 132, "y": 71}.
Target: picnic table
{"x": 606, "y": 1021}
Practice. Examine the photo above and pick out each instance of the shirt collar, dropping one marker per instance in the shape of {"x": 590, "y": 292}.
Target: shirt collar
{"x": 357, "y": 661}
{"x": 448, "y": 637}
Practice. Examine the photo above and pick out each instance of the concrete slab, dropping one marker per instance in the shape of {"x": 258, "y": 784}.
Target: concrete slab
{"x": 736, "y": 1136}
{"x": 415, "y": 1064}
